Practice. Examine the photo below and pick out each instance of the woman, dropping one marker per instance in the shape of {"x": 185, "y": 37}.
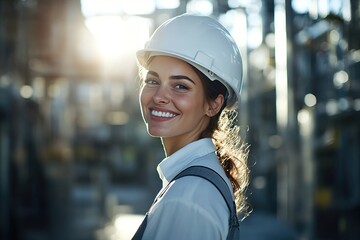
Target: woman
{"x": 192, "y": 74}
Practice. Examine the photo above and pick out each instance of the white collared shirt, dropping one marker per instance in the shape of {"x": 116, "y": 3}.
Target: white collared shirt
{"x": 192, "y": 208}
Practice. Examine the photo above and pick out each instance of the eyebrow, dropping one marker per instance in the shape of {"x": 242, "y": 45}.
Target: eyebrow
{"x": 174, "y": 77}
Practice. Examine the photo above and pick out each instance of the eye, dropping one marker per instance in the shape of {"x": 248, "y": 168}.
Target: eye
{"x": 181, "y": 87}
{"x": 151, "y": 81}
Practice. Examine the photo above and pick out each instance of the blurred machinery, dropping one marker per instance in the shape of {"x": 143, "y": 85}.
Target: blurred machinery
{"x": 326, "y": 74}
{"x": 73, "y": 148}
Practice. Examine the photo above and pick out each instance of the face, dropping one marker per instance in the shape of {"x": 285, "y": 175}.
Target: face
{"x": 173, "y": 101}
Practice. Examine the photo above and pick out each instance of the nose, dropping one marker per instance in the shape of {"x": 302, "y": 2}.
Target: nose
{"x": 161, "y": 96}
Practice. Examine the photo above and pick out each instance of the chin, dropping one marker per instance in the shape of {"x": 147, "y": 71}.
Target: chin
{"x": 154, "y": 133}
{"x": 161, "y": 134}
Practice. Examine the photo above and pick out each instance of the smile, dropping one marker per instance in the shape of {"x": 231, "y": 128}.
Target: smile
{"x": 162, "y": 114}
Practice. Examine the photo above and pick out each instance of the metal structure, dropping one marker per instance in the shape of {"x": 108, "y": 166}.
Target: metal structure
{"x": 74, "y": 152}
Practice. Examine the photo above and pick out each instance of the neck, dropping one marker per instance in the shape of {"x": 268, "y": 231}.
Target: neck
{"x": 174, "y": 143}
{"x": 171, "y": 145}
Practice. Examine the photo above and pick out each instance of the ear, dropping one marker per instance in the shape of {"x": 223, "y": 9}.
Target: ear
{"x": 214, "y": 106}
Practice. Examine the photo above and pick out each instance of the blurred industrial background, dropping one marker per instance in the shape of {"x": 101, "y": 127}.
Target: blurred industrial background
{"x": 76, "y": 162}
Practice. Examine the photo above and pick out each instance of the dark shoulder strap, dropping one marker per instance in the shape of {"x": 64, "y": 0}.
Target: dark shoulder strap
{"x": 213, "y": 177}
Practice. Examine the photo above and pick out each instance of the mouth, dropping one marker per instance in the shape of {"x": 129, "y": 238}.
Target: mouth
{"x": 162, "y": 114}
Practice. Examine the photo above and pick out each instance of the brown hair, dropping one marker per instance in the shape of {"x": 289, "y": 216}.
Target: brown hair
{"x": 230, "y": 149}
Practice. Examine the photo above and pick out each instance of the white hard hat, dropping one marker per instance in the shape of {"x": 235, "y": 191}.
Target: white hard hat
{"x": 202, "y": 42}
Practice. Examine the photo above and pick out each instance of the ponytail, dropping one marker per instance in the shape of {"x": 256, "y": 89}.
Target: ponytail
{"x": 231, "y": 151}
{"x": 232, "y": 154}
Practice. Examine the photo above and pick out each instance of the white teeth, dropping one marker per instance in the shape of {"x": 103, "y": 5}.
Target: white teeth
{"x": 162, "y": 114}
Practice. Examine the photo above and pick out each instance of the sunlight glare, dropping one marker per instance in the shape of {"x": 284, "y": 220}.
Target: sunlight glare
{"x": 202, "y": 7}
{"x": 167, "y": 4}
{"x": 91, "y": 8}
{"x": 117, "y": 33}
{"x": 126, "y": 225}
{"x": 134, "y": 7}
{"x": 118, "y": 37}
{"x": 107, "y": 31}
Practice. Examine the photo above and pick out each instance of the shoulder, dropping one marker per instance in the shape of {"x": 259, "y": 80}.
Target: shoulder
{"x": 194, "y": 204}
{"x": 196, "y": 189}
{"x": 198, "y": 195}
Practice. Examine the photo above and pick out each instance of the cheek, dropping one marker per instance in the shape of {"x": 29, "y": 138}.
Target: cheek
{"x": 185, "y": 104}
{"x": 143, "y": 100}
{"x": 143, "y": 108}
{"x": 193, "y": 103}
{"x": 143, "y": 97}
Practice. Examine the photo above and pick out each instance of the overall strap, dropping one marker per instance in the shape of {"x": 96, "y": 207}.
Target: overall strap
{"x": 140, "y": 232}
{"x": 213, "y": 177}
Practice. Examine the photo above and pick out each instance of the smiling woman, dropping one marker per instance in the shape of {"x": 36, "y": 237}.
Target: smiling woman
{"x": 192, "y": 75}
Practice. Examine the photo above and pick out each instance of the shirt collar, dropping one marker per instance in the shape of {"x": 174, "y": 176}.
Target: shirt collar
{"x": 170, "y": 166}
